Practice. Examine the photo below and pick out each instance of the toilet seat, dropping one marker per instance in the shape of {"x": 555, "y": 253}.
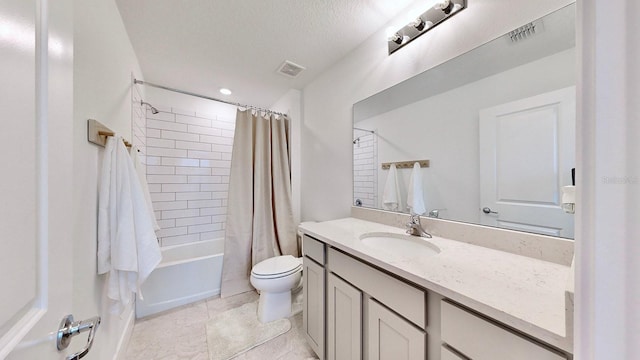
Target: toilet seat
{"x": 276, "y": 267}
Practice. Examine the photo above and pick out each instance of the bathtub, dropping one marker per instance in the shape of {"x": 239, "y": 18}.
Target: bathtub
{"x": 187, "y": 273}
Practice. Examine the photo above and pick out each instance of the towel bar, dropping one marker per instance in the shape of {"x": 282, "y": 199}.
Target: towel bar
{"x": 97, "y": 133}
{"x": 406, "y": 164}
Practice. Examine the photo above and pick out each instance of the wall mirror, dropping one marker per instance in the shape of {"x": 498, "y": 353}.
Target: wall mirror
{"x": 497, "y": 125}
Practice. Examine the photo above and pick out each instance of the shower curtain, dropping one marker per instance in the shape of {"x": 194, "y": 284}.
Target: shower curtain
{"x": 259, "y": 211}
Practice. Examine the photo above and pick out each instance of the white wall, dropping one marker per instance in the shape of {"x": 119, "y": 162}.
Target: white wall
{"x": 447, "y": 134}
{"x": 326, "y": 131}
{"x": 103, "y": 63}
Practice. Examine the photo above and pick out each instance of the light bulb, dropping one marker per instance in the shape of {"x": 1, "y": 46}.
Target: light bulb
{"x": 396, "y": 38}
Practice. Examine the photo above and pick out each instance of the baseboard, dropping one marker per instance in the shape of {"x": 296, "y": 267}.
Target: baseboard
{"x": 126, "y": 336}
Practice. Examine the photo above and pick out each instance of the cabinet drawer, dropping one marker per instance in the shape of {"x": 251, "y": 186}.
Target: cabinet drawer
{"x": 480, "y": 339}
{"x": 401, "y": 297}
{"x": 313, "y": 249}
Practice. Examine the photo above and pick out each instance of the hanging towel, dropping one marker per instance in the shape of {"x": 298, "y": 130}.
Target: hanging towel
{"x": 391, "y": 199}
{"x": 127, "y": 245}
{"x": 142, "y": 177}
{"x": 415, "y": 198}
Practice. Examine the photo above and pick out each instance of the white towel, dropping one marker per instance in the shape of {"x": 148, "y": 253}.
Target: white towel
{"x": 142, "y": 176}
{"x": 415, "y": 197}
{"x": 391, "y": 199}
{"x": 127, "y": 246}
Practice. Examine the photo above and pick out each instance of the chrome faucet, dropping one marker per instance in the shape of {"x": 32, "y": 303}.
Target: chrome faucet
{"x": 414, "y": 228}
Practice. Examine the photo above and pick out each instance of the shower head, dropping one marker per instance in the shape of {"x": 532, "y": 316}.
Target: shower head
{"x": 153, "y": 110}
{"x": 356, "y": 141}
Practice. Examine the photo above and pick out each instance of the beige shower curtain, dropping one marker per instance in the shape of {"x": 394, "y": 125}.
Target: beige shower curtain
{"x": 259, "y": 212}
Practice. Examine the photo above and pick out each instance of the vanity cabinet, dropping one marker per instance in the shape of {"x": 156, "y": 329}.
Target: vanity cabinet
{"x": 390, "y": 326}
{"x": 479, "y": 339}
{"x": 313, "y": 274}
{"x": 354, "y": 310}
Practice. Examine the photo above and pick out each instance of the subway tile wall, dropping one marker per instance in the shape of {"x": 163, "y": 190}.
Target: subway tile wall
{"x": 188, "y": 157}
{"x": 365, "y": 169}
{"x": 138, "y": 123}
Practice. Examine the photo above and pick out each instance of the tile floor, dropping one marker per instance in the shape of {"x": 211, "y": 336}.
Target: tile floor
{"x": 180, "y": 334}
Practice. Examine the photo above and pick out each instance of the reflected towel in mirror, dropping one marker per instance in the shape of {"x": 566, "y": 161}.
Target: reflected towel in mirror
{"x": 391, "y": 199}
{"x": 415, "y": 197}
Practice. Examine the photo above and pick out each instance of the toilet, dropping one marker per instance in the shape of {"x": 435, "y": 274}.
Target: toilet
{"x": 275, "y": 278}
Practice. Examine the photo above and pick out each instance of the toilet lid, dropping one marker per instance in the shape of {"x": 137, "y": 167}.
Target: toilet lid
{"x": 277, "y": 266}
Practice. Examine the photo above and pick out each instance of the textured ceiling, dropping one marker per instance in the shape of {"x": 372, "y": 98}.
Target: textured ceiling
{"x": 203, "y": 45}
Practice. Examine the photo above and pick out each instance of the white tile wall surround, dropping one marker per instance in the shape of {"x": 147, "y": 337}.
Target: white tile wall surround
{"x": 173, "y": 214}
{"x": 179, "y": 162}
{"x": 193, "y": 221}
{"x": 153, "y": 160}
{"x": 216, "y": 139}
{"x": 160, "y": 170}
{"x": 183, "y": 239}
{"x": 365, "y": 178}
{"x": 158, "y": 196}
{"x": 166, "y": 125}
{"x": 179, "y": 111}
{"x": 180, "y": 188}
{"x": 153, "y": 132}
{"x": 192, "y": 171}
{"x": 175, "y": 135}
{"x": 188, "y": 173}
{"x": 166, "y": 179}
{"x": 214, "y": 155}
{"x": 183, "y": 119}
{"x": 162, "y": 115}
{"x": 193, "y": 196}
{"x": 192, "y": 145}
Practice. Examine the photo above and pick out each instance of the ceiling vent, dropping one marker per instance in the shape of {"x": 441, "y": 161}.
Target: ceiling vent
{"x": 290, "y": 69}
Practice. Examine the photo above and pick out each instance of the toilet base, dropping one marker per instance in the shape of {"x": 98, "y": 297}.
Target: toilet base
{"x": 274, "y": 306}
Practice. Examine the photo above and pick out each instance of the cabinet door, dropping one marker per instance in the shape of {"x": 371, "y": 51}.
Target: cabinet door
{"x": 344, "y": 320}
{"x": 446, "y": 354}
{"x": 390, "y": 337}
{"x": 313, "y": 311}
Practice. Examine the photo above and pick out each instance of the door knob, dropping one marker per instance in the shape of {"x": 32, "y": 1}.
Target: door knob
{"x": 487, "y": 210}
{"x": 69, "y": 328}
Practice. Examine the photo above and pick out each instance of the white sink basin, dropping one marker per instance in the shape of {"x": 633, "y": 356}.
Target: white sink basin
{"x": 399, "y": 244}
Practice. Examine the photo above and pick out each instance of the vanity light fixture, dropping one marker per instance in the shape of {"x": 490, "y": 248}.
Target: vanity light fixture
{"x": 425, "y": 22}
{"x": 396, "y": 38}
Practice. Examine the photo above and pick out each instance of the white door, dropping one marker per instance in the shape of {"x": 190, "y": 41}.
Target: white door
{"x": 36, "y": 94}
{"x": 527, "y": 151}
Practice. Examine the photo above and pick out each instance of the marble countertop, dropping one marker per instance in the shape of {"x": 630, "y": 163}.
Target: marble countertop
{"x": 524, "y": 293}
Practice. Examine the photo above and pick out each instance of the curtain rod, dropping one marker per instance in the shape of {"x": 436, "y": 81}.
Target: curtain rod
{"x": 140, "y": 82}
